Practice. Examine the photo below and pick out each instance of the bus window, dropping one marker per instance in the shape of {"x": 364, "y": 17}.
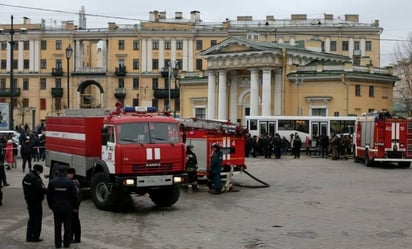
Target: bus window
{"x": 302, "y": 126}
{"x": 252, "y": 125}
{"x": 285, "y": 125}
{"x": 272, "y": 129}
{"x": 263, "y": 128}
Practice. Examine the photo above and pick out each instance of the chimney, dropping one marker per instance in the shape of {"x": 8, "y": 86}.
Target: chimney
{"x": 298, "y": 17}
{"x": 245, "y": 18}
{"x": 329, "y": 17}
{"x": 194, "y": 16}
{"x": 352, "y": 18}
{"x": 162, "y": 15}
{"x": 154, "y": 16}
{"x": 178, "y": 15}
{"x": 112, "y": 26}
{"x": 26, "y": 20}
{"x": 270, "y": 18}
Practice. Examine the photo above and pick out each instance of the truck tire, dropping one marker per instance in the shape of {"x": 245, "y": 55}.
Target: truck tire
{"x": 103, "y": 196}
{"x": 165, "y": 197}
{"x": 404, "y": 165}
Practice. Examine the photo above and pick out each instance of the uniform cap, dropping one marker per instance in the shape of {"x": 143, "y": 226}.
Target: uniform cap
{"x": 38, "y": 168}
{"x": 62, "y": 169}
{"x": 71, "y": 171}
{"x": 215, "y": 145}
{"x": 190, "y": 146}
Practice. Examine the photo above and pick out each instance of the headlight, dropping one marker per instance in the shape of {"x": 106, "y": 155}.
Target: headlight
{"x": 128, "y": 182}
{"x": 177, "y": 179}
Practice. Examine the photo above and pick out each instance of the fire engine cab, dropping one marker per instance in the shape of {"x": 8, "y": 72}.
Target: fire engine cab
{"x": 118, "y": 153}
{"x": 381, "y": 137}
{"x": 202, "y": 133}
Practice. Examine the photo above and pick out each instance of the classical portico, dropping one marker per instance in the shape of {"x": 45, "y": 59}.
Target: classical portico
{"x": 247, "y": 77}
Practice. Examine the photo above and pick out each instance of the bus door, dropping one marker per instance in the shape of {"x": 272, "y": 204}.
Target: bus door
{"x": 317, "y": 129}
{"x": 267, "y": 127}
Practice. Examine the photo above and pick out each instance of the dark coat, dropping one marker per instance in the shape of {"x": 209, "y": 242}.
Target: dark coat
{"x": 33, "y": 188}
{"x": 26, "y": 149}
{"x": 216, "y": 161}
{"x": 62, "y": 194}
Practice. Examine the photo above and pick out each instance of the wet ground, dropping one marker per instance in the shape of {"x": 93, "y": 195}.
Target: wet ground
{"x": 311, "y": 203}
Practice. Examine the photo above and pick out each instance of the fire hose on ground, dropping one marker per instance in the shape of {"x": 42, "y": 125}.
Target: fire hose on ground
{"x": 229, "y": 184}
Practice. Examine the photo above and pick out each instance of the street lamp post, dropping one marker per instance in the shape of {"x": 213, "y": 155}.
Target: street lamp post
{"x": 69, "y": 52}
{"x": 11, "y": 42}
{"x": 171, "y": 75}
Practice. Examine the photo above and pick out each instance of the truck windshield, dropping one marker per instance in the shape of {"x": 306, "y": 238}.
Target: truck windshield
{"x": 149, "y": 132}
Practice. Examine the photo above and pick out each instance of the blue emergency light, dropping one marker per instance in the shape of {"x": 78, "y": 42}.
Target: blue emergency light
{"x": 140, "y": 109}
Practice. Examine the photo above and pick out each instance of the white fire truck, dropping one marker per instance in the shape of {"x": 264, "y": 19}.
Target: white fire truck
{"x": 380, "y": 137}
{"x": 202, "y": 133}
{"x": 118, "y": 153}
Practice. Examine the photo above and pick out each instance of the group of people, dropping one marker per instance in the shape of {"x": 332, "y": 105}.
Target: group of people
{"x": 63, "y": 198}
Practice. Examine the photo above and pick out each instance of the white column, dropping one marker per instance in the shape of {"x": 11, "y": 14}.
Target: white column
{"x": 32, "y": 56}
{"x": 78, "y": 100}
{"x": 292, "y": 41}
{"x": 254, "y": 92}
{"x": 351, "y": 47}
{"x": 149, "y": 49}
{"x": 362, "y": 46}
{"x": 161, "y": 54}
{"x": 144, "y": 55}
{"x": 105, "y": 55}
{"x": 8, "y": 57}
{"x": 211, "y": 95}
{"x": 173, "y": 51}
{"x": 190, "y": 56}
{"x": 278, "y": 92}
{"x": 185, "y": 52}
{"x": 20, "y": 62}
{"x": 266, "y": 92}
{"x": 77, "y": 55}
{"x": 222, "y": 103}
{"x": 37, "y": 55}
{"x": 327, "y": 45}
{"x": 233, "y": 97}
{"x": 280, "y": 40}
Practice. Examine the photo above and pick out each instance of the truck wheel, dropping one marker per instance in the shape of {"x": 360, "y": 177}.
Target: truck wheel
{"x": 404, "y": 165}
{"x": 103, "y": 196}
{"x": 165, "y": 197}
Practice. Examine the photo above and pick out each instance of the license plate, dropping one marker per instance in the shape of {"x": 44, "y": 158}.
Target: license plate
{"x": 149, "y": 181}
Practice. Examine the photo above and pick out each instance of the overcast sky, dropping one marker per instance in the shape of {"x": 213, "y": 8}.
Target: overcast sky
{"x": 395, "y": 16}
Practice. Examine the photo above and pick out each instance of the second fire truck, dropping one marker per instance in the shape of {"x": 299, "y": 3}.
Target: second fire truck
{"x": 381, "y": 137}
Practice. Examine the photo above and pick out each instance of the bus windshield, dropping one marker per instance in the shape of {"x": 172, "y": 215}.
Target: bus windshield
{"x": 148, "y": 133}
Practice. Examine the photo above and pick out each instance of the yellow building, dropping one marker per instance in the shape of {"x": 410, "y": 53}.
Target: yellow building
{"x": 131, "y": 63}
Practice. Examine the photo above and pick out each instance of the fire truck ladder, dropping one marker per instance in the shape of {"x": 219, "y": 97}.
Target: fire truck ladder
{"x": 209, "y": 124}
{"x": 409, "y": 138}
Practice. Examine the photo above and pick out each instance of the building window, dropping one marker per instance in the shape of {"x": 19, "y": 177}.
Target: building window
{"x": 357, "y": 90}
{"x": 371, "y": 110}
{"x": 166, "y": 83}
{"x": 135, "y": 102}
{"x": 43, "y": 45}
{"x": 121, "y": 45}
{"x": 58, "y": 44}
{"x": 3, "y": 83}
{"x": 155, "y": 103}
{"x": 135, "y": 83}
{"x": 168, "y": 45}
{"x": 199, "y": 44}
{"x": 25, "y": 84}
{"x": 336, "y": 114}
{"x": 179, "y": 63}
{"x": 213, "y": 43}
{"x": 59, "y": 63}
{"x": 345, "y": 45}
{"x": 356, "y": 46}
{"x": 26, "y": 64}
{"x": 368, "y": 45}
{"x": 135, "y": 45}
{"x": 200, "y": 112}
{"x": 198, "y": 64}
{"x": 43, "y": 104}
{"x": 371, "y": 91}
{"x": 167, "y": 63}
{"x": 332, "y": 45}
{"x": 25, "y": 102}
{"x": 43, "y": 84}
{"x": 3, "y": 64}
{"x": 26, "y": 45}
{"x": 58, "y": 82}
{"x": 155, "y": 83}
{"x": 179, "y": 45}
{"x": 121, "y": 82}
{"x": 318, "y": 112}
{"x": 155, "y": 45}
{"x": 15, "y": 63}
{"x": 136, "y": 64}
{"x": 121, "y": 62}
{"x": 3, "y": 45}
{"x": 155, "y": 63}
{"x": 43, "y": 63}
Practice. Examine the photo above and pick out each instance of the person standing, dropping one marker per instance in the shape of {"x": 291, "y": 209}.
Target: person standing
{"x": 297, "y": 144}
{"x": 26, "y": 153}
{"x": 62, "y": 200}
{"x": 216, "y": 167}
{"x": 76, "y": 227}
{"x": 34, "y": 191}
{"x": 9, "y": 154}
{"x": 191, "y": 168}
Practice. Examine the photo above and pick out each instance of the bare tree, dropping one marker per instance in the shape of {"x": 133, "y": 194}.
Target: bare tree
{"x": 402, "y": 90}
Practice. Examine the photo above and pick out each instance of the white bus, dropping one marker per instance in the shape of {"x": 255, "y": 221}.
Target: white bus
{"x": 313, "y": 126}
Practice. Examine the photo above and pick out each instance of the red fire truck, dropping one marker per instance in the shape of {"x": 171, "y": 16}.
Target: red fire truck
{"x": 380, "y": 137}
{"x": 117, "y": 153}
{"x": 202, "y": 133}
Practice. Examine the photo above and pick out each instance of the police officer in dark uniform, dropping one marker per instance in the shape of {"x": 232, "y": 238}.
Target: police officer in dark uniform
{"x": 76, "y": 227}
{"x": 62, "y": 199}
{"x": 215, "y": 168}
{"x": 34, "y": 191}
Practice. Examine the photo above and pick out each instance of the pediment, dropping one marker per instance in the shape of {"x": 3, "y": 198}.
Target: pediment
{"x": 231, "y": 45}
{"x": 236, "y": 48}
